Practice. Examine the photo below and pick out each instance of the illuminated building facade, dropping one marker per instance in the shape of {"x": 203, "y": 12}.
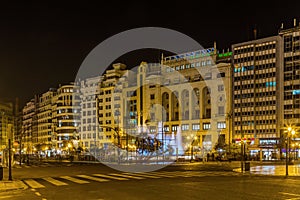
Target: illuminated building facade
{"x": 189, "y": 93}
{"x": 89, "y": 90}
{"x": 29, "y": 128}
{"x": 258, "y": 95}
{"x": 67, "y": 112}
{"x": 291, "y": 39}
{"x": 44, "y": 120}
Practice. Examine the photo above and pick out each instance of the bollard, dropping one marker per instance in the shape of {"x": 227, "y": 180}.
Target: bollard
{"x": 1, "y": 173}
{"x": 247, "y": 166}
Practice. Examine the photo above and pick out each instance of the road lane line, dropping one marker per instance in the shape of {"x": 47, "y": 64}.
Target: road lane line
{"x": 38, "y": 194}
{"x": 162, "y": 174}
{"x": 75, "y": 180}
{"x": 142, "y": 175}
{"x": 111, "y": 177}
{"x": 93, "y": 178}
{"x": 33, "y": 184}
{"x": 127, "y": 176}
{"x": 291, "y": 194}
{"x": 54, "y": 182}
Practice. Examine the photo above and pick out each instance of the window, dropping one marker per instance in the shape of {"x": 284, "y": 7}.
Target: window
{"x": 220, "y": 88}
{"x": 108, "y": 99}
{"x": 86, "y": 144}
{"x": 108, "y": 92}
{"x": 222, "y": 74}
{"x": 221, "y": 125}
{"x": 108, "y": 107}
{"x": 196, "y": 127}
{"x": 206, "y": 126}
{"x": 185, "y": 127}
{"x": 166, "y": 128}
{"x": 221, "y": 110}
{"x": 152, "y": 96}
{"x": 174, "y": 127}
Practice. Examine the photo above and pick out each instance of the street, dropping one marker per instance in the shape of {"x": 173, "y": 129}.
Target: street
{"x": 187, "y": 181}
{"x": 200, "y": 187}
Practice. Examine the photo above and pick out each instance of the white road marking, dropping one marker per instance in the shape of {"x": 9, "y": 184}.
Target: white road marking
{"x": 33, "y": 184}
{"x": 38, "y": 194}
{"x": 93, "y": 178}
{"x": 54, "y": 182}
{"x": 111, "y": 177}
{"x": 127, "y": 176}
{"x": 142, "y": 175}
{"x": 75, "y": 180}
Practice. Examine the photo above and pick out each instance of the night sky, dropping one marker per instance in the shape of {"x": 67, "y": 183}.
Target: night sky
{"x": 44, "y": 44}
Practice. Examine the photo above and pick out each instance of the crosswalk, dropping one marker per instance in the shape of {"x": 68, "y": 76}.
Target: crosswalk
{"x": 100, "y": 178}
{"x": 42, "y": 165}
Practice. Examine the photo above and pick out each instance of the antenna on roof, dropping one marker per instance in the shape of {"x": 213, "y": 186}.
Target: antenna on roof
{"x": 255, "y": 32}
{"x": 295, "y": 22}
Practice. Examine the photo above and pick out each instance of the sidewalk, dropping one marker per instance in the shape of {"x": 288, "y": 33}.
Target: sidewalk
{"x": 11, "y": 185}
{"x": 272, "y": 170}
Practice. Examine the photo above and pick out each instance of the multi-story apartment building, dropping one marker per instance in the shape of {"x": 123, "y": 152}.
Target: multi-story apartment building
{"x": 28, "y": 126}
{"x": 44, "y": 120}
{"x": 51, "y": 121}
{"x": 6, "y": 128}
{"x": 186, "y": 93}
{"x": 258, "y": 95}
{"x": 6, "y": 123}
{"x": 109, "y": 104}
{"x": 291, "y": 42}
{"x": 66, "y": 117}
{"x": 291, "y": 54}
{"x": 89, "y": 91}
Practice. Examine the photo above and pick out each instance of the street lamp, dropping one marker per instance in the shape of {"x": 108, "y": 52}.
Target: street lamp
{"x": 287, "y": 157}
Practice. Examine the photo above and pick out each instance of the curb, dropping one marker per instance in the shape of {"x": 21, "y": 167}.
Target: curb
{"x": 16, "y": 185}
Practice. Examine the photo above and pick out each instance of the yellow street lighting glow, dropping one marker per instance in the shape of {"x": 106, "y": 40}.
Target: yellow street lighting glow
{"x": 289, "y": 128}
{"x": 293, "y": 132}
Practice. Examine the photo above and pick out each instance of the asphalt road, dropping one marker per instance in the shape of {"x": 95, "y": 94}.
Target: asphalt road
{"x": 194, "y": 181}
{"x": 206, "y": 187}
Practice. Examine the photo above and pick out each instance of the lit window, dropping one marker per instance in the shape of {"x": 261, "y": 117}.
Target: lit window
{"x": 221, "y": 125}
{"x": 196, "y": 127}
{"x": 206, "y": 126}
{"x": 185, "y": 127}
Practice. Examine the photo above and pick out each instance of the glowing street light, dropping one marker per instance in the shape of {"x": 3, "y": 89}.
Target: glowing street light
{"x": 292, "y": 132}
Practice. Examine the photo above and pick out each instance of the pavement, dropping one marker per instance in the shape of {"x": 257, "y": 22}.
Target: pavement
{"x": 12, "y": 185}
{"x": 273, "y": 170}
{"x": 256, "y": 168}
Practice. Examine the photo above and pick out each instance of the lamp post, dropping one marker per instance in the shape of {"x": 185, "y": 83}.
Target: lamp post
{"x": 287, "y": 157}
